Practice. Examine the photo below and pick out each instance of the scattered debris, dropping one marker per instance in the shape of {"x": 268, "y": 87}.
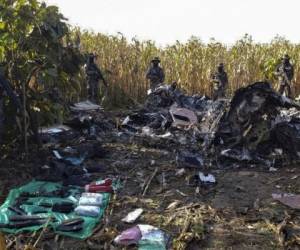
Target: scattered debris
{"x": 186, "y": 159}
{"x": 173, "y": 134}
{"x": 152, "y": 238}
{"x": 85, "y": 106}
{"x": 55, "y": 129}
{"x": 173, "y": 205}
{"x": 129, "y": 237}
{"x": 149, "y": 181}
{"x": 145, "y": 236}
{"x": 254, "y": 127}
{"x": 180, "y": 172}
{"x": 133, "y": 216}
{"x": 207, "y": 178}
{"x": 291, "y": 200}
{"x": 75, "y": 161}
{"x": 183, "y": 117}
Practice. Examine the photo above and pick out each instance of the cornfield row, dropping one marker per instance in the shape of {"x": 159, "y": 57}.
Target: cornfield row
{"x": 190, "y": 64}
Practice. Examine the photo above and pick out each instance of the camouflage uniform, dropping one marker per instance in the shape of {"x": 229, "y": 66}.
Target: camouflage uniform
{"x": 94, "y": 75}
{"x": 285, "y": 73}
{"x": 155, "y": 74}
{"x": 219, "y": 80}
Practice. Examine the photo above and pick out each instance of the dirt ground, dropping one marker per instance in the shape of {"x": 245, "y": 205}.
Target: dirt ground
{"x": 237, "y": 212}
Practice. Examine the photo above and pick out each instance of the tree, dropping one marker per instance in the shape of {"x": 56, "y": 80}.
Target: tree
{"x": 38, "y": 57}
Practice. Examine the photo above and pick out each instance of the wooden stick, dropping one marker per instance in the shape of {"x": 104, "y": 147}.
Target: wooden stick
{"x": 150, "y": 180}
{"x": 186, "y": 226}
{"x": 2, "y": 242}
{"x": 188, "y": 207}
{"x": 43, "y": 232}
{"x": 99, "y": 230}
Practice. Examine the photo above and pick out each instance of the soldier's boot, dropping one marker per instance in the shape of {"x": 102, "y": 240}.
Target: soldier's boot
{"x": 215, "y": 95}
{"x": 281, "y": 89}
{"x": 222, "y": 93}
{"x": 97, "y": 93}
{"x": 91, "y": 91}
{"x": 288, "y": 91}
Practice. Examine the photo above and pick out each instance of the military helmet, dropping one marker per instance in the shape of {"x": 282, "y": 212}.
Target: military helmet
{"x": 155, "y": 59}
{"x": 286, "y": 56}
{"x": 221, "y": 65}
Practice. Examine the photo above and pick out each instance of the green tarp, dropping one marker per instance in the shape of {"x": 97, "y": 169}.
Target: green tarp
{"x": 73, "y": 196}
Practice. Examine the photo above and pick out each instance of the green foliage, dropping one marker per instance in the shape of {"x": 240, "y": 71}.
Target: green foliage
{"x": 190, "y": 64}
{"x": 35, "y": 48}
{"x": 40, "y": 50}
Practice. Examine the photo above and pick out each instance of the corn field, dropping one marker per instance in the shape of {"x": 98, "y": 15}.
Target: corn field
{"x": 124, "y": 63}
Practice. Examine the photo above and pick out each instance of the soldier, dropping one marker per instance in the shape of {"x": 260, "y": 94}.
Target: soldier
{"x": 155, "y": 74}
{"x": 6, "y": 90}
{"x": 285, "y": 73}
{"x": 219, "y": 81}
{"x": 94, "y": 75}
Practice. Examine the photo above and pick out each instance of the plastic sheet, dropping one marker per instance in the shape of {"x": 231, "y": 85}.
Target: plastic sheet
{"x": 31, "y": 206}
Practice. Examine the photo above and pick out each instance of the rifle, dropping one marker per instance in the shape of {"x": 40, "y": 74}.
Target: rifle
{"x": 105, "y": 91}
{"x": 286, "y": 79}
{"x": 283, "y": 74}
{"x": 215, "y": 79}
